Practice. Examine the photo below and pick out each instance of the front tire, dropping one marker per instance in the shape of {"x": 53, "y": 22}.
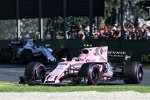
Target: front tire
{"x": 91, "y": 72}
{"x": 35, "y": 72}
{"x": 132, "y": 73}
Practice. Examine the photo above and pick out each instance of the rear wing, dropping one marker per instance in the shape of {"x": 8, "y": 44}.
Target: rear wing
{"x": 119, "y": 56}
{"x": 15, "y": 43}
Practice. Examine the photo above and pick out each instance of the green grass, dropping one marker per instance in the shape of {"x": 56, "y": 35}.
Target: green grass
{"x": 101, "y": 88}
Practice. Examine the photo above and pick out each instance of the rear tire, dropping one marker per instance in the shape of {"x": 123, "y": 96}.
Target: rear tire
{"x": 91, "y": 72}
{"x": 35, "y": 71}
{"x": 132, "y": 73}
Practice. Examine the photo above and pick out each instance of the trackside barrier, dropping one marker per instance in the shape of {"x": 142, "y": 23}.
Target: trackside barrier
{"x": 140, "y": 48}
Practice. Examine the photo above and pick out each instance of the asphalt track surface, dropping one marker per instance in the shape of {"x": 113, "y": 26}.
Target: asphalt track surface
{"x": 11, "y": 73}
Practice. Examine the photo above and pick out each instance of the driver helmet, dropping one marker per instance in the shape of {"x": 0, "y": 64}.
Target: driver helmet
{"x": 82, "y": 56}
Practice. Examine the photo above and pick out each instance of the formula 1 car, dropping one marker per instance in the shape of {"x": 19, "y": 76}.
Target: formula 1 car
{"x": 90, "y": 67}
{"x": 28, "y": 52}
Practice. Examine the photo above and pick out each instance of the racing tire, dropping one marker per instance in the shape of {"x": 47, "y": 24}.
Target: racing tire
{"x": 27, "y": 56}
{"x": 132, "y": 72}
{"x": 91, "y": 71}
{"x": 34, "y": 72}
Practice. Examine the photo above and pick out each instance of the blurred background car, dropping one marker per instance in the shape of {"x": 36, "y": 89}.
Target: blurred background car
{"x": 26, "y": 51}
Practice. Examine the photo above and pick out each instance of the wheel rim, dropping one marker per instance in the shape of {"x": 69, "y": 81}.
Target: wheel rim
{"x": 95, "y": 75}
{"x": 139, "y": 75}
{"x": 40, "y": 73}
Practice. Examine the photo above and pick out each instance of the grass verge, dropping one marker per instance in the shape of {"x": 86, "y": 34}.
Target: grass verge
{"x": 101, "y": 88}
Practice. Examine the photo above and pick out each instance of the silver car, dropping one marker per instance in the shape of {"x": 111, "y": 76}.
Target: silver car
{"x": 32, "y": 52}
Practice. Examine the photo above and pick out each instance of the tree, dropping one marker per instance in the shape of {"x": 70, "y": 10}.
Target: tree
{"x": 7, "y": 29}
{"x": 133, "y": 10}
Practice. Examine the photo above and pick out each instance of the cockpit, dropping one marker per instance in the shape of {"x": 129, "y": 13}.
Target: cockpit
{"x": 83, "y": 55}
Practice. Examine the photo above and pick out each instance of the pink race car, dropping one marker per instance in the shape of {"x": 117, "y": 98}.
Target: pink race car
{"x": 91, "y": 67}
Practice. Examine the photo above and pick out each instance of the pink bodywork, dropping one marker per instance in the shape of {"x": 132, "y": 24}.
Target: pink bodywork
{"x": 95, "y": 54}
